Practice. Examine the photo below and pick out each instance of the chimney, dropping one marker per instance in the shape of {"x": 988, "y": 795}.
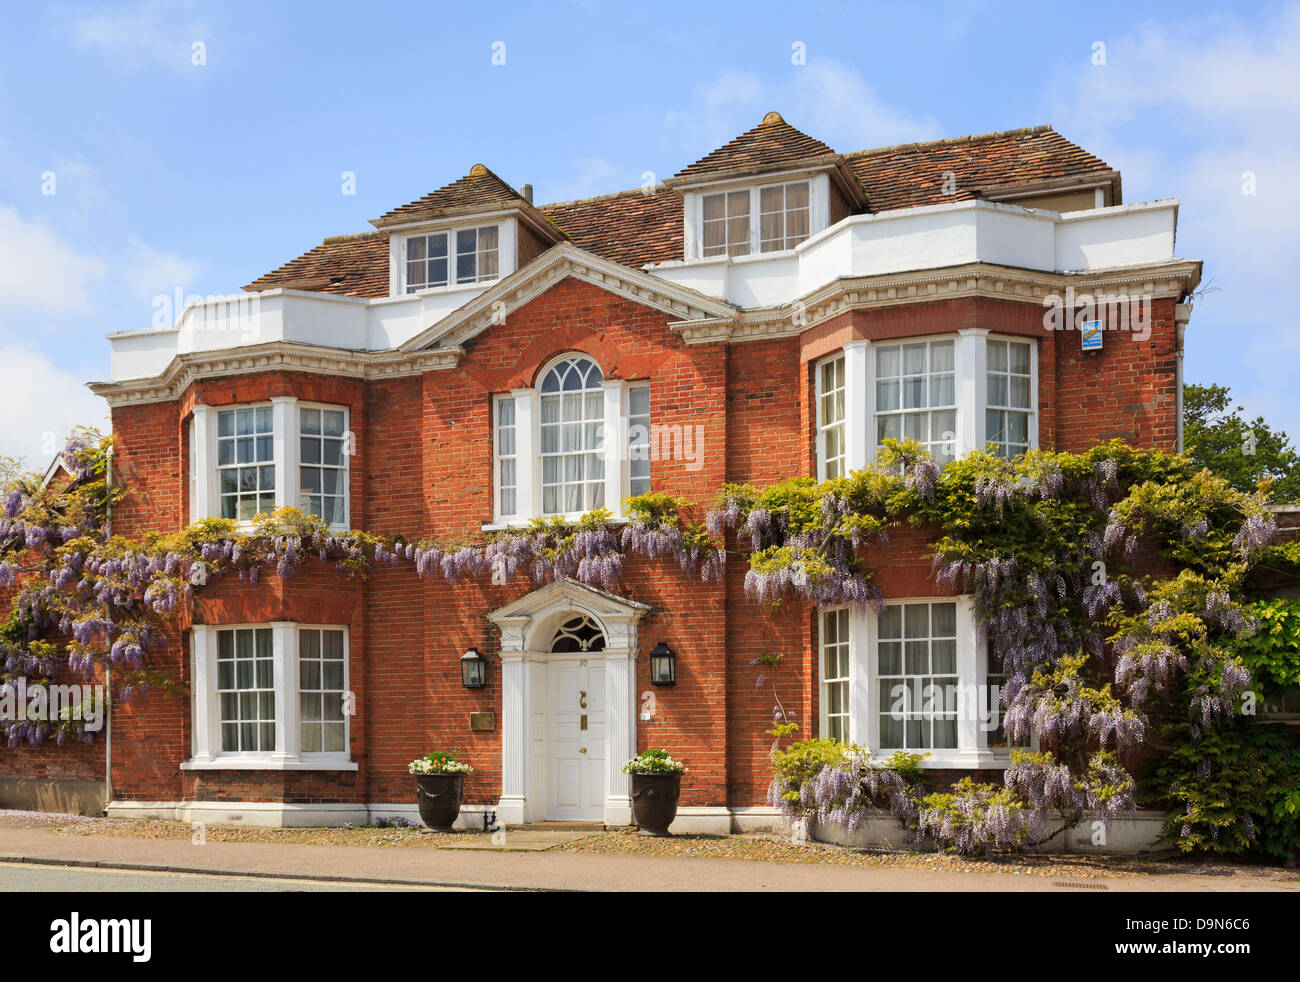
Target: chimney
{"x": 527, "y": 191}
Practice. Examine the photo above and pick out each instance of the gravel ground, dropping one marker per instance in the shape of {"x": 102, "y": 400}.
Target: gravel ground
{"x": 762, "y": 847}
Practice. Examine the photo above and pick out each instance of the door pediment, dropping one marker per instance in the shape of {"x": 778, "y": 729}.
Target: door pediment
{"x": 529, "y": 623}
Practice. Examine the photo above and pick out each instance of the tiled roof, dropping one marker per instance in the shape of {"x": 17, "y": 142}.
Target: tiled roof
{"x": 348, "y": 265}
{"x": 632, "y": 227}
{"x": 635, "y": 228}
{"x": 771, "y": 142}
{"x": 913, "y": 174}
{"x": 477, "y": 188}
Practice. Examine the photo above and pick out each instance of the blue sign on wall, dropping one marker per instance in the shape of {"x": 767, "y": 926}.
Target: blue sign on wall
{"x": 1090, "y": 331}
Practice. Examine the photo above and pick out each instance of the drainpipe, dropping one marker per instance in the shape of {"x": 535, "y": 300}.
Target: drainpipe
{"x": 1182, "y": 314}
{"x": 108, "y": 679}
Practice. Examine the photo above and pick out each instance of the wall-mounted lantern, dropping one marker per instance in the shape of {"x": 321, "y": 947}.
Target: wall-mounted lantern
{"x": 473, "y": 670}
{"x": 663, "y": 665}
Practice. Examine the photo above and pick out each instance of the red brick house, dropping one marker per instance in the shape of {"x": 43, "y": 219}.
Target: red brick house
{"x": 776, "y": 308}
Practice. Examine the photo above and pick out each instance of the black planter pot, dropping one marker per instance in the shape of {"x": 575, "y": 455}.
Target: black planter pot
{"x": 654, "y": 802}
{"x": 439, "y": 799}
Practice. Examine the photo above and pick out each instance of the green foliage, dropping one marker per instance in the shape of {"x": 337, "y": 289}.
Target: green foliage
{"x": 1218, "y": 438}
{"x": 1272, "y": 653}
{"x": 800, "y": 762}
{"x": 1232, "y": 789}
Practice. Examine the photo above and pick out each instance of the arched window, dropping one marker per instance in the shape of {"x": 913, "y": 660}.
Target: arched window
{"x": 572, "y": 433}
{"x": 578, "y": 634}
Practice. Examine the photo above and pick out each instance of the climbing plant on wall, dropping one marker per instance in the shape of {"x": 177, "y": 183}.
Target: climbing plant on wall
{"x": 1111, "y": 583}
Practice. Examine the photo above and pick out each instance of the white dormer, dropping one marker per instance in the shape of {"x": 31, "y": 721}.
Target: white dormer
{"x": 752, "y": 217}
{"x": 452, "y": 255}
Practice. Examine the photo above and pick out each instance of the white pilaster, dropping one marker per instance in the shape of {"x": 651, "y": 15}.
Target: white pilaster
{"x": 617, "y": 482}
{"x": 284, "y": 645}
{"x": 970, "y": 678}
{"x": 513, "y": 807}
{"x": 528, "y": 475}
{"x": 859, "y": 404}
{"x": 972, "y": 388}
{"x": 620, "y": 732}
{"x": 860, "y": 669}
{"x": 284, "y": 422}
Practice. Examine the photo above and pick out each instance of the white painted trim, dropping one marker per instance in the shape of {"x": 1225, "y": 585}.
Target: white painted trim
{"x": 527, "y": 626}
{"x": 206, "y": 752}
{"x": 864, "y": 723}
{"x": 507, "y": 250}
{"x": 859, "y": 403}
{"x": 691, "y": 819}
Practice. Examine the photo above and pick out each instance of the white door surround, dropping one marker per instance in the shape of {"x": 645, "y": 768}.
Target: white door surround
{"x": 528, "y": 626}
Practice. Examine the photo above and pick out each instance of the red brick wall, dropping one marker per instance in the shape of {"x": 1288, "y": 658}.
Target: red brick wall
{"x": 424, "y": 467}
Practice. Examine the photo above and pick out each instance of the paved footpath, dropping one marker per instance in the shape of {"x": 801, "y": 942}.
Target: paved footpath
{"x": 539, "y": 870}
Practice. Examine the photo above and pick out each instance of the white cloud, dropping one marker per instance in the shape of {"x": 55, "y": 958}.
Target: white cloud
{"x": 153, "y": 31}
{"x": 826, "y": 99}
{"x": 147, "y": 272}
{"x": 1186, "y": 109}
{"x": 40, "y": 270}
{"x": 40, "y": 405}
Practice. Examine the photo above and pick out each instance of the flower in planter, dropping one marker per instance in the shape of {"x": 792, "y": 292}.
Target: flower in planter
{"x": 439, "y": 762}
{"x": 654, "y": 762}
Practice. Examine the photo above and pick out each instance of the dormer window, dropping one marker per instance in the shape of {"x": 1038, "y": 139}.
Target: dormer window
{"x": 428, "y": 259}
{"x": 782, "y": 216}
{"x": 760, "y": 219}
{"x": 726, "y": 224}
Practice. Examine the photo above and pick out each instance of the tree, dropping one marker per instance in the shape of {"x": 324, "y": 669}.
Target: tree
{"x": 1242, "y": 453}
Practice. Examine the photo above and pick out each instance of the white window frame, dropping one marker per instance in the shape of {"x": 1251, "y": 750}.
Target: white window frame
{"x": 206, "y": 750}
{"x": 641, "y": 446}
{"x": 205, "y": 497}
{"x": 693, "y": 213}
{"x": 528, "y": 441}
{"x": 972, "y": 749}
{"x": 860, "y": 440}
{"x": 1030, "y": 411}
{"x": 507, "y": 254}
{"x": 345, "y": 472}
{"x": 901, "y": 411}
{"x": 824, "y": 428}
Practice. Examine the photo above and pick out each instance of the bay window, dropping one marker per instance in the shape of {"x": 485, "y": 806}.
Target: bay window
{"x": 1010, "y": 382}
{"x": 954, "y": 394}
{"x": 915, "y": 678}
{"x": 249, "y": 460}
{"x": 916, "y": 396}
{"x": 269, "y": 696}
{"x": 835, "y": 674}
{"x": 830, "y": 419}
{"x": 916, "y": 670}
{"x": 245, "y": 462}
{"x": 577, "y": 441}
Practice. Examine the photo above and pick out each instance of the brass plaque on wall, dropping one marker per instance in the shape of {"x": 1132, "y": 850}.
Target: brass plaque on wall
{"x": 482, "y": 721}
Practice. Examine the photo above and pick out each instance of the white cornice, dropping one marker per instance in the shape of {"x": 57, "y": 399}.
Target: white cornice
{"x": 558, "y": 263}
{"x": 273, "y": 356}
{"x": 1170, "y": 279}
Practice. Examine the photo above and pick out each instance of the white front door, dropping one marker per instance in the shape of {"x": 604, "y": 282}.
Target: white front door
{"x": 576, "y": 740}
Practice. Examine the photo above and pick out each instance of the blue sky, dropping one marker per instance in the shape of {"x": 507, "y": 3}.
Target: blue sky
{"x": 170, "y": 175}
